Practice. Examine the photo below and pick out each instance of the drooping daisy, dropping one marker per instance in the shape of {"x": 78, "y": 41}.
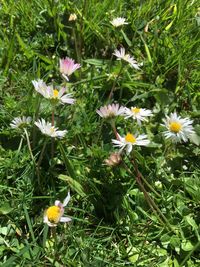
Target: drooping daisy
{"x": 67, "y": 67}
{"x": 20, "y": 122}
{"x": 47, "y": 129}
{"x": 110, "y": 111}
{"x": 120, "y": 54}
{"x": 129, "y": 140}
{"x": 54, "y": 214}
{"x": 116, "y": 22}
{"x": 178, "y": 129}
{"x": 139, "y": 114}
{"x": 53, "y": 94}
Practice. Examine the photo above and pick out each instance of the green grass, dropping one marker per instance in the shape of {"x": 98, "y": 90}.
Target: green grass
{"x": 113, "y": 224}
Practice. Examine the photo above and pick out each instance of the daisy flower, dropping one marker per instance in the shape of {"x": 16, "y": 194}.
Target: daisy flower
{"x": 139, "y": 114}
{"x": 118, "y": 22}
{"x": 54, "y": 214}
{"x": 67, "y": 67}
{"x": 120, "y": 54}
{"x": 48, "y": 129}
{"x": 110, "y": 111}
{"x": 178, "y": 129}
{"x": 128, "y": 141}
{"x": 20, "y": 122}
{"x": 50, "y": 93}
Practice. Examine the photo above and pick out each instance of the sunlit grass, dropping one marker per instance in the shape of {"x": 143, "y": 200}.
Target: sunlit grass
{"x": 138, "y": 208}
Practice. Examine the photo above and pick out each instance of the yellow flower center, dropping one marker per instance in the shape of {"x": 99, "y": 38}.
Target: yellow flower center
{"x": 175, "y": 127}
{"x": 55, "y": 93}
{"x": 53, "y": 214}
{"x": 130, "y": 138}
{"x": 52, "y": 130}
{"x": 135, "y": 110}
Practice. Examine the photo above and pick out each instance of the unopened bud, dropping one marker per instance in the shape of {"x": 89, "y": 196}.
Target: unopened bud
{"x": 113, "y": 160}
{"x": 72, "y": 17}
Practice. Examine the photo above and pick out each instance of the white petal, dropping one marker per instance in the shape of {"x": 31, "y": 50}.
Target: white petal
{"x": 66, "y": 200}
{"x": 65, "y": 219}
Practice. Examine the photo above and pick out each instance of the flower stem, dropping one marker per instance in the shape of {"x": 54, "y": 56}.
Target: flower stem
{"x": 114, "y": 83}
{"x": 112, "y": 122}
{"x": 32, "y": 157}
{"x": 42, "y": 153}
{"x": 150, "y": 201}
{"x": 29, "y": 146}
{"x": 52, "y": 123}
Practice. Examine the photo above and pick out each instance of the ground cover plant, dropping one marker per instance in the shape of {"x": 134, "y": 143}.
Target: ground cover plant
{"x": 99, "y": 133}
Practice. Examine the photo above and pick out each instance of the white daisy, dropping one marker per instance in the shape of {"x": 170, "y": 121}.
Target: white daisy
{"x": 110, "y": 111}
{"x": 178, "y": 129}
{"x": 120, "y": 54}
{"x": 49, "y": 130}
{"x": 127, "y": 142}
{"x": 139, "y": 114}
{"x": 50, "y": 93}
{"x": 118, "y": 22}
{"x": 54, "y": 214}
{"x": 20, "y": 122}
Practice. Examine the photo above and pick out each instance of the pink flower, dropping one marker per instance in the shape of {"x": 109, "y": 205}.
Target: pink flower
{"x": 67, "y": 67}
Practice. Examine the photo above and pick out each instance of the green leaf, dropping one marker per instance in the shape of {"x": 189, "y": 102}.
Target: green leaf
{"x": 73, "y": 184}
{"x": 195, "y": 139}
{"x": 128, "y": 41}
{"x": 96, "y": 62}
{"x": 191, "y": 221}
{"x": 186, "y": 245}
{"x": 5, "y": 208}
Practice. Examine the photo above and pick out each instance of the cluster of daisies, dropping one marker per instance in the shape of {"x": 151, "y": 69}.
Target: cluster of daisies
{"x": 177, "y": 129}
{"x": 56, "y": 96}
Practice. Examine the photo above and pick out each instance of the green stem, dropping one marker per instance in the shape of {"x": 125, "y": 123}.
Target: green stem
{"x": 42, "y": 153}
{"x": 52, "y": 123}
{"x": 150, "y": 200}
{"x": 144, "y": 180}
{"x": 29, "y": 146}
{"x": 112, "y": 122}
{"x": 114, "y": 83}
{"x": 32, "y": 157}
{"x": 54, "y": 235}
{"x": 67, "y": 162}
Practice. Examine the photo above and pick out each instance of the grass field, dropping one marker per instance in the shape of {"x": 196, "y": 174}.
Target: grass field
{"x": 131, "y": 168}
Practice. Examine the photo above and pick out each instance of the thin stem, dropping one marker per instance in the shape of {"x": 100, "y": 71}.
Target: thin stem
{"x": 52, "y": 123}
{"x": 114, "y": 83}
{"x": 29, "y": 146}
{"x": 32, "y": 157}
{"x": 112, "y": 122}
{"x": 149, "y": 199}
{"x": 42, "y": 153}
{"x": 54, "y": 235}
{"x": 144, "y": 180}
{"x": 78, "y": 53}
{"x": 53, "y": 116}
